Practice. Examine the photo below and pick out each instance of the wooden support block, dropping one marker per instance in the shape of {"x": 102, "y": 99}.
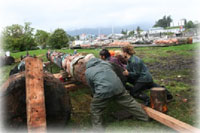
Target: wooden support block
{"x": 74, "y": 87}
{"x": 158, "y": 99}
{"x": 35, "y": 102}
{"x": 62, "y": 74}
{"x": 47, "y": 63}
{"x": 57, "y": 75}
{"x": 170, "y": 121}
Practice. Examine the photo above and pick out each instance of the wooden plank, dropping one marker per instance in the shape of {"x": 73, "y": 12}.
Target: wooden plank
{"x": 35, "y": 101}
{"x": 170, "y": 121}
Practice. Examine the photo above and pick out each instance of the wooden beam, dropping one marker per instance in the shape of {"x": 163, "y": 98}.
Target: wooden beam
{"x": 170, "y": 121}
{"x": 35, "y": 102}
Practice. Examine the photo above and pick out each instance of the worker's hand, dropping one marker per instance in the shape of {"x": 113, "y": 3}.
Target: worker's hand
{"x": 125, "y": 73}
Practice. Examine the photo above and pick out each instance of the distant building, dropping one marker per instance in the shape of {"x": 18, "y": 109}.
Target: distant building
{"x": 76, "y": 43}
{"x": 175, "y": 30}
{"x": 102, "y": 37}
{"x": 115, "y": 36}
{"x": 82, "y": 37}
{"x": 89, "y": 37}
{"x": 156, "y": 30}
{"x": 177, "y": 23}
{"x": 143, "y": 33}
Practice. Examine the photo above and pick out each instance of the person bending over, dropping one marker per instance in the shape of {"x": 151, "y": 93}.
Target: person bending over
{"x": 106, "y": 86}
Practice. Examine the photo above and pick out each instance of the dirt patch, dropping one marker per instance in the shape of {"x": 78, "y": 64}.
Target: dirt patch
{"x": 176, "y": 68}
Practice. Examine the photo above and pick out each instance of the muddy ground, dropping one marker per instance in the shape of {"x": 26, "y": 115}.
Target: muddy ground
{"x": 175, "y": 64}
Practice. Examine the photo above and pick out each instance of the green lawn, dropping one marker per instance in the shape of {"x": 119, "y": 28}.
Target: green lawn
{"x": 173, "y": 67}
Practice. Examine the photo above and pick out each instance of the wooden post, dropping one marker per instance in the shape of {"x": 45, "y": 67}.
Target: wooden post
{"x": 158, "y": 99}
{"x": 35, "y": 102}
{"x": 170, "y": 121}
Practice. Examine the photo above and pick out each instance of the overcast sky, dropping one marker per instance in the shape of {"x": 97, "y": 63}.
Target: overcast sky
{"x": 74, "y": 14}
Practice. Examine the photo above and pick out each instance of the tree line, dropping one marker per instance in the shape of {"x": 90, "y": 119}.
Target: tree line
{"x": 20, "y": 38}
{"x": 166, "y": 20}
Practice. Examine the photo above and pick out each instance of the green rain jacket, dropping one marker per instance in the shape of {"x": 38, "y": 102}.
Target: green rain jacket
{"x": 102, "y": 79}
{"x": 138, "y": 72}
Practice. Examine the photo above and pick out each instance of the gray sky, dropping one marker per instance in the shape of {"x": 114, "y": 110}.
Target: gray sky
{"x": 74, "y": 14}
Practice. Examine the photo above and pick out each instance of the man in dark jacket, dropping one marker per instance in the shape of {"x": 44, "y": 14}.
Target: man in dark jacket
{"x": 138, "y": 75}
{"x": 106, "y": 86}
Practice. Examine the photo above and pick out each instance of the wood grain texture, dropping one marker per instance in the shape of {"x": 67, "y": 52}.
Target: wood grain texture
{"x": 170, "y": 121}
{"x": 158, "y": 99}
{"x": 36, "y": 113}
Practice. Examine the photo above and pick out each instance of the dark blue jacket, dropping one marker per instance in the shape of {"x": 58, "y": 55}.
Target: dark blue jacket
{"x": 138, "y": 72}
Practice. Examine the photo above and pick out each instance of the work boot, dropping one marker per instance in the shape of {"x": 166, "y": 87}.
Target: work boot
{"x": 169, "y": 95}
{"x": 147, "y": 102}
{"x": 128, "y": 87}
{"x": 143, "y": 97}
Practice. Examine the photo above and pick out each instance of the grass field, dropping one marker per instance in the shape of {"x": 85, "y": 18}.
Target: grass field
{"x": 173, "y": 67}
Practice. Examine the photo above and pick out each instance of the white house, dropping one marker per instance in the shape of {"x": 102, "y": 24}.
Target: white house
{"x": 156, "y": 30}
{"x": 77, "y": 42}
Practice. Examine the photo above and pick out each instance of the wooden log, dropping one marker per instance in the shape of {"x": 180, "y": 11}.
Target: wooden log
{"x": 182, "y": 40}
{"x": 170, "y": 121}
{"x": 75, "y": 65}
{"x": 35, "y": 100}
{"x": 189, "y": 40}
{"x": 158, "y": 99}
{"x": 57, "y": 102}
{"x": 79, "y": 71}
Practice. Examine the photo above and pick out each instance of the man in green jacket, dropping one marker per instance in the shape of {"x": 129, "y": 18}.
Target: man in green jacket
{"x": 138, "y": 75}
{"x": 106, "y": 86}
